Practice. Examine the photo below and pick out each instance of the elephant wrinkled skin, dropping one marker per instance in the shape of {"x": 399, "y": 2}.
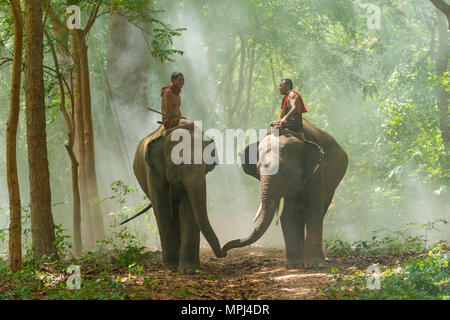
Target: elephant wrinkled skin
{"x": 307, "y": 190}
{"x": 178, "y": 196}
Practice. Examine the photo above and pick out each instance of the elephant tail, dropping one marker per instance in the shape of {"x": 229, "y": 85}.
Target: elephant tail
{"x": 137, "y": 214}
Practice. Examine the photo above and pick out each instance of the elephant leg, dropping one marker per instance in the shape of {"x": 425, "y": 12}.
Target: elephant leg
{"x": 168, "y": 227}
{"x": 313, "y": 239}
{"x": 314, "y": 216}
{"x": 190, "y": 238}
{"x": 327, "y": 203}
{"x": 170, "y": 239}
{"x": 293, "y": 225}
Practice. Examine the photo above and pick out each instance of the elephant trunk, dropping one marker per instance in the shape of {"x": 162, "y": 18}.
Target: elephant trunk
{"x": 197, "y": 197}
{"x": 270, "y": 198}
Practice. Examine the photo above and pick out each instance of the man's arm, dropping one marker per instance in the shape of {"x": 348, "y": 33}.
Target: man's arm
{"x": 292, "y": 99}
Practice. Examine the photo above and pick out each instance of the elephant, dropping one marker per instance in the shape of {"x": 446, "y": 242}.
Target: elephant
{"x": 310, "y": 168}
{"x": 178, "y": 195}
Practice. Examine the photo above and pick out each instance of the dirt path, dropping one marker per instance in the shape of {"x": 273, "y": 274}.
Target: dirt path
{"x": 246, "y": 273}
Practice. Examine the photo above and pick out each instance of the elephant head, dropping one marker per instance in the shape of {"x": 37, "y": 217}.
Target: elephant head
{"x": 176, "y": 160}
{"x": 295, "y": 162}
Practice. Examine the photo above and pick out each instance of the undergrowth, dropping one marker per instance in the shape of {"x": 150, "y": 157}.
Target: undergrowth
{"x": 422, "y": 277}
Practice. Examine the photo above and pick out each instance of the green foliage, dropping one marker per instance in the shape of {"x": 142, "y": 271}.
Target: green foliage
{"x": 393, "y": 242}
{"x": 145, "y": 16}
{"x": 62, "y": 243}
{"x": 48, "y": 277}
{"x": 120, "y": 190}
{"x": 123, "y": 246}
{"x": 424, "y": 277}
{"x": 374, "y": 90}
{"x": 386, "y": 245}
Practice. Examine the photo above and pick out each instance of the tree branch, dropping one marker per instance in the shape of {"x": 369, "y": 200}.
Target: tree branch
{"x": 443, "y": 7}
{"x": 93, "y": 16}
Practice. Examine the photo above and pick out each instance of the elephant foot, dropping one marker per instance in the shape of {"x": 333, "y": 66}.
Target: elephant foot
{"x": 171, "y": 266}
{"x": 171, "y": 263}
{"x": 294, "y": 265}
{"x": 187, "y": 268}
{"x": 316, "y": 262}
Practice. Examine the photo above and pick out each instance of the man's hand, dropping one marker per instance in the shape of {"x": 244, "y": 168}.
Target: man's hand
{"x": 186, "y": 123}
{"x": 283, "y": 122}
{"x": 274, "y": 123}
{"x": 279, "y": 124}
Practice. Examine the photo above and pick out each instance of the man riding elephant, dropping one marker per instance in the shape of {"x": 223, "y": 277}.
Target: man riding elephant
{"x": 292, "y": 107}
{"x": 171, "y": 102}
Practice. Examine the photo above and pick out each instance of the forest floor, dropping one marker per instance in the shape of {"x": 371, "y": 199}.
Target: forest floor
{"x": 253, "y": 273}
{"x": 246, "y": 273}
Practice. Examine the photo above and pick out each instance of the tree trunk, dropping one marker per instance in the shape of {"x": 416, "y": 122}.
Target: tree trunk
{"x": 441, "y": 68}
{"x": 91, "y": 175}
{"x": 79, "y": 138}
{"x": 69, "y": 147}
{"x": 42, "y": 227}
{"x": 240, "y": 87}
{"x": 443, "y": 7}
{"x": 228, "y": 98}
{"x": 15, "y": 224}
{"x": 248, "y": 109}
{"x": 64, "y": 75}
{"x": 275, "y": 86}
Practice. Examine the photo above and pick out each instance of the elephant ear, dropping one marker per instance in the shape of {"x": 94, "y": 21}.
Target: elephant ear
{"x": 249, "y": 159}
{"x": 210, "y": 150}
{"x": 154, "y": 157}
{"x": 312, "y": 158}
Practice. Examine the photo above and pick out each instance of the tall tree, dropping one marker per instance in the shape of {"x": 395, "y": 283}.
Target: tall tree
{"x": 42, "y": 226}
{"x": 85, "y": 133}
{"x": 77, "y": 56}
{"x": 442, "y": 6}
{"x": 15, "y": 227}
{"x": 70, "y": 124}
{"x": 441, "y": 69}
{"x": 82, "y": 125}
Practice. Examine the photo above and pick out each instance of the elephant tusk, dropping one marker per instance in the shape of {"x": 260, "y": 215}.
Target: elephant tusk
{"x": 280, "y": 210}
{"x": 258, "y": 213}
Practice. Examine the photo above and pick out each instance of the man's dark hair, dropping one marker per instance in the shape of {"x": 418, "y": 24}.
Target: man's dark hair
{"x": 175, "y": 75}
{"x": 288, "y": 83}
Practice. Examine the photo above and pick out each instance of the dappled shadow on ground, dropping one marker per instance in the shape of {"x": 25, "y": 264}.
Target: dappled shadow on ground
{"x": 249, "y": 273}
{"x": 246, "y": 273}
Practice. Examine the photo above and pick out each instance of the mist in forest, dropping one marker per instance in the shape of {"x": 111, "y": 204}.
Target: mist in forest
{"x": 365, "y": 202}
{"x": 233, "y": 197}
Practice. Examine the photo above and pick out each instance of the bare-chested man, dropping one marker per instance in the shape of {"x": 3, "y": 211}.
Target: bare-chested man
{"x": 170, "y": 103}
{"x": 292, "y": 107}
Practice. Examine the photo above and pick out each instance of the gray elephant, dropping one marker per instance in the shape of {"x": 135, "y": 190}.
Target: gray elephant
{"x": 301, "y": 191}
{"x": 178, "y": 195}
